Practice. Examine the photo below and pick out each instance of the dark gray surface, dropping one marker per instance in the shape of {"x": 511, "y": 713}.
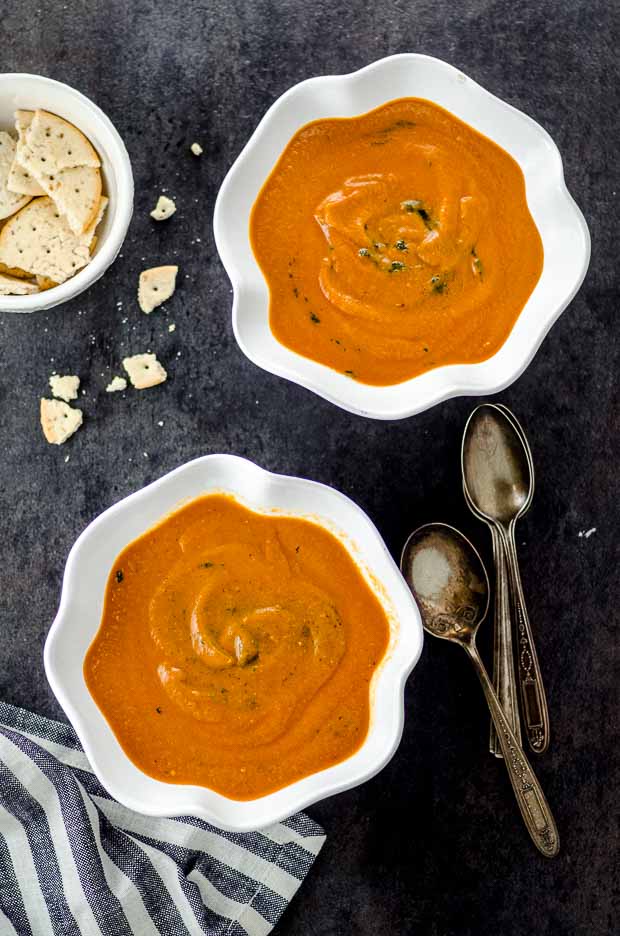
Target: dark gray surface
{"x": 433, "y": 846}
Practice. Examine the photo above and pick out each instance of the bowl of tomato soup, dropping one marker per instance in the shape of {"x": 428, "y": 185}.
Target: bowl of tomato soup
{"x": 396, "y": 237}
{"x": 233, "y": 644}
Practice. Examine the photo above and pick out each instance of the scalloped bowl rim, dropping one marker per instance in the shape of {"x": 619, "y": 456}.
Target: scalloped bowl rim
{"x": 563, "y": 229}
{"x": 79, "y": 614}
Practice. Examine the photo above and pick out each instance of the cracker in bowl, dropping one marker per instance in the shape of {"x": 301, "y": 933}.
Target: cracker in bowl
{"x": 14, "y": 286}
{"x": 10, "y": 202}
{"x": 54, "y": 172}
{"x": 20, "y": 179}
{"x": 65, "y": 165}
{"x": 38, "y": 240}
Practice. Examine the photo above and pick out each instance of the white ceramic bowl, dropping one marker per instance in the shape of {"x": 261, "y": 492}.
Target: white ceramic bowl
{"x": 31, "y": 91}
{"x": 79, "y": 615}
{"x": 562, "y": 227}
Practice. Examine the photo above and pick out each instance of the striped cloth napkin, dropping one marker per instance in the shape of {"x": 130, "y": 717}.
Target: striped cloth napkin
{"x": 75, "y": 862}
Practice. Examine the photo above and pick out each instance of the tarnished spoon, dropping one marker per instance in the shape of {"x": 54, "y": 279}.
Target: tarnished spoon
{"x": 504, "y": 679}
{"x": 498, "y": 477}
{"x": 451, "y": 587}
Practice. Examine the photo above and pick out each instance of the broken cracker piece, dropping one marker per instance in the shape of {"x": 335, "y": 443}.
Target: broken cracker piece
{"x": 52, "y": 144}
{"x": 14, "y": 286}
{"x": 196, "y": 149}
{"x": 59, "y": 421}
{"x": 20, "y": 179}
{"x": 117, "y": 383}
{"x": 144, "y": 371}
{"x": 77, "y": 194}
{"x": 164, "y": 208}
{"x": 10, "y": 202}
{"x": 156, "y": 285}
{"x": 64, "y": 163}
{"x": 65, "y": 388}
{"x": 50, "y": 250}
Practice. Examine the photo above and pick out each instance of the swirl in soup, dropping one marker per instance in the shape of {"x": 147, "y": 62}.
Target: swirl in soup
{"x": 395, "y": 242}
{"x": 236, "y": 649}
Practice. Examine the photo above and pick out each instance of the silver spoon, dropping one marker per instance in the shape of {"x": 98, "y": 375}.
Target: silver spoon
{"x": 498, "y": 478}
{"x": 504, "y": 679}
{"x": 450, "y": 584}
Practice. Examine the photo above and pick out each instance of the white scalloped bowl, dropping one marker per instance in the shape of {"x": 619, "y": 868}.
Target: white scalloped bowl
{"x": 37, "y": 91}
{"x": 81, "y": 605}
{"x": 562, "y": 227}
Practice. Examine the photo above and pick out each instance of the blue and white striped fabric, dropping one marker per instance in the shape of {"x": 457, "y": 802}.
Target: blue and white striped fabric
{"x": 73, "y": 861}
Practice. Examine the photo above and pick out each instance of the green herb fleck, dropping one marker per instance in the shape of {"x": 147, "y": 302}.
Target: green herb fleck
{"x": 400, "y": 245}
{"x": 476, "y": 263}
{"x": 349, "y": 373}
{"x": 158, "y": 710}
{"x": 314, "y": 318}
{"x": 396, "y": 266}
{"x": 119, "y": 575}
{"x": 439, "y": 283}
{"x": 364, "y": 252}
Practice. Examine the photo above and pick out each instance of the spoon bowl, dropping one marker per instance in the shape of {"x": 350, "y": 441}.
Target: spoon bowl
{"x": 498, "y": 474}
{"x": 448, "y": 580}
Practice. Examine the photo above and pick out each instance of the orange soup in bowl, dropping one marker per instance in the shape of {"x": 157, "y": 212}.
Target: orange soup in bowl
{"x": 395, "y": 242}
{"x": 236, "y": 649}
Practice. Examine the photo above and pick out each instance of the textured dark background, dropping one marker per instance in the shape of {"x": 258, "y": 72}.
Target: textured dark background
{"x": 434, "y": 845}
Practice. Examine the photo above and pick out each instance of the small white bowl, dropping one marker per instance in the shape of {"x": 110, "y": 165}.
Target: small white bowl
{"x": 29, "y": 92}
{"x": 81, "y": 605}
{"x": 562, "y": 227}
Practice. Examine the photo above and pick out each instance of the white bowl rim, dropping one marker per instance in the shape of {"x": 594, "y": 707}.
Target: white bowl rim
{"x": 123, "y": 210}
{"x": 183, "y": 799}
{"x": 419, "y": 393}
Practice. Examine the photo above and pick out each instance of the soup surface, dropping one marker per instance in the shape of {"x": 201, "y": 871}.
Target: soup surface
{"x": 395, "y": 242}
{"x": 236, "y": 649}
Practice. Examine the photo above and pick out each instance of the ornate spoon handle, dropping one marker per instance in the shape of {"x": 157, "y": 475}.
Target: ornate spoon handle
{"x": 533, "y": 699}
{"x": 503, "y": 667}
{"x": 530, "y": 797}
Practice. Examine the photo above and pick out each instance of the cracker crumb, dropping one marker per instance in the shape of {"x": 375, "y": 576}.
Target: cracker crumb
{"x": 172, "y": 327}
{"x": 117, "y": 383}
{"x": 155, "y": 286}
{"x": 196, "y": 149}
{"x": 65, "y": 388}
{"x": 164, "y": 208}
{"x": 59, "y": 421}
{"x": 586, "y": 534}
{"x": 144, "y": 371}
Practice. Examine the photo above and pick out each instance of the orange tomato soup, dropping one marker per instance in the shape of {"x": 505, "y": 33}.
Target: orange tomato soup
{"x": 395, "y": 242}
{"x": 236, "y": 649}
